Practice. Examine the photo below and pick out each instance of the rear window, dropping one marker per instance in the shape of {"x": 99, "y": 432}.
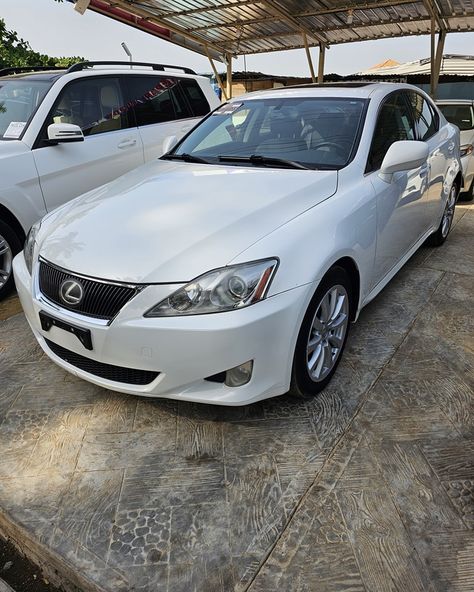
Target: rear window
{"x": 460, "y": 115}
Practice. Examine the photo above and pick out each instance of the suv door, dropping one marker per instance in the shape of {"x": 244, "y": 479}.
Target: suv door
{"x": 401, "y": 204}
{"x": 111, "y": 146}
{"x": 161, "y": 110}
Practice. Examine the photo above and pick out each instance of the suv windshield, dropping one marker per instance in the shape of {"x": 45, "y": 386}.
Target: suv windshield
{"x": 317, "y": 133}
{"x": 460, "y": 115}
{"x": 19, "y": 99}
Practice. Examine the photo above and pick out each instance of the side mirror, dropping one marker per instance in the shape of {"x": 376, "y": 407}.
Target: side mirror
{"x": 64, "y": 132}
{"x": 168, "y": 143}
{"x": 403, "y": 156}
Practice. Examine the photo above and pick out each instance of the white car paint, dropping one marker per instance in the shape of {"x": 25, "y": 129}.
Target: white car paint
{"x": 467, "y": 139}
{"x": 167, "y": 222}
{"x": 35, "y": 179}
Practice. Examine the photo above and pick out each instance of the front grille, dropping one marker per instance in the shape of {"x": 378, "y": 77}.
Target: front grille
{"x": 107, "y": 371}
{"x": 100, "y": 300}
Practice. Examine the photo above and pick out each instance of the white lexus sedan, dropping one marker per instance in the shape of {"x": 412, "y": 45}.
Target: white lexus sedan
{"x": 229, "y": 270}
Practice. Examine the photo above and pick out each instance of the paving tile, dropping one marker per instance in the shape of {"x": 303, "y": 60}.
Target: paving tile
{"x": 452, "y": 460}
{"x": 448, "y": 557}
{"x": 199, "y": 439}
{"x": 384, "y": 552}
{"x": 141, "y": 537}
{"x": 88, "y": 508}
{"x": 461, "y": 494}
{"x": 111, "y": 412}
{"x": 173, "y": 482}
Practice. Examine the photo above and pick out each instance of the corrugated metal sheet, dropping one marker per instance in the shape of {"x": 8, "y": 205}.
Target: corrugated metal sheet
{"x": 252, "y": 26}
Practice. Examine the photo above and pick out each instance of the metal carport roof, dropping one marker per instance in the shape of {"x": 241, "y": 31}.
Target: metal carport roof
{"x": 222, "y": 29}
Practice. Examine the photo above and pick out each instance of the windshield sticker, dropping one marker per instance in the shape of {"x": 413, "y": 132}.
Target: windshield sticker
{"x": 227, "y": 109}
{"x": 14, "y": 129}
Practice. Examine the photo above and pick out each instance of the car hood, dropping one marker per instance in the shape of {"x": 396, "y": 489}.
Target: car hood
{"x": 170, "y": 221}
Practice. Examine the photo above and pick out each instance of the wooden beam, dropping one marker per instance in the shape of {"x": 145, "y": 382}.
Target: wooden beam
{"x": 216, "y": 74}
{"x": 229, "y": 76}
{"x": 322, "y": 52}
{"x": 438, "y": 62}
{"x": 308, "y": 57}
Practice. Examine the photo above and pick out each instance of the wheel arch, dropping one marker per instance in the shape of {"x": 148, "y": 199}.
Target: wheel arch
{"x": 352, "y": 269}
{"x": 13, "y": 222}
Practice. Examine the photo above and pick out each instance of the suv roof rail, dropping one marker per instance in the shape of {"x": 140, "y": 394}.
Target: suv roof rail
{"x": 83, "y": 65}
{"x": 12, "y": 70}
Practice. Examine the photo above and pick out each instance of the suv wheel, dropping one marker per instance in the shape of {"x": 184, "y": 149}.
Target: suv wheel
{"x": 9, "y": 246}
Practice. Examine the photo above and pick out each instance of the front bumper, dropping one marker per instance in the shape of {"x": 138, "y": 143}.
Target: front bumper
{"x": 184, "y": 350}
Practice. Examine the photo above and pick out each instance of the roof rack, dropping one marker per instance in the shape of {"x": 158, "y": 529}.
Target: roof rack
{"x": 83, "y": 65}
{"x": 8, "y": 71}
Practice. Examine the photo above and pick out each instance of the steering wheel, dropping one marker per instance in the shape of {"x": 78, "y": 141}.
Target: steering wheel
{"x": 338, "y": 147}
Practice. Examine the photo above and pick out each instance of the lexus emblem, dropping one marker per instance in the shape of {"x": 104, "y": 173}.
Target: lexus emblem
{"x": 71, "y": 292}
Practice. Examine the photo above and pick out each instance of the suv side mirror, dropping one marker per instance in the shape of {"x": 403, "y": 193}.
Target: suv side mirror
{"x": 64, "y": 132}
{"x": 168, "y": 143}
{"x": 403, "y": 155}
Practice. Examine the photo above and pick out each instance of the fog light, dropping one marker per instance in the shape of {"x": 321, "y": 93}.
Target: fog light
{"x": 239, "y": 375}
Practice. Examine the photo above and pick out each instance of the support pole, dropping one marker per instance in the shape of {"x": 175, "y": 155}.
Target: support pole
{"x": 322, "y": 52}
{"x": 216, "y": 74}
{"x": 308, "y": 57}
{"x": 229, "y": 76}
{"x": 438, "y": 61}
{"x": 432, "y": 61}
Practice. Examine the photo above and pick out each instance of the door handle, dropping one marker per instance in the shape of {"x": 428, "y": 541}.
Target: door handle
{"x": 126, "y": 144}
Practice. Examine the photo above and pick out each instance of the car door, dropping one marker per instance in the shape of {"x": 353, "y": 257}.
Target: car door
{"x": 401, "y": 203}
{"x": 161, "y": 110}
{"x": 111, "y": 147}
{"x": 440, "y": 152}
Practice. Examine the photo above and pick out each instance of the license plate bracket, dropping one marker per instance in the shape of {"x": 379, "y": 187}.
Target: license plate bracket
{"x": 84, "y": 335}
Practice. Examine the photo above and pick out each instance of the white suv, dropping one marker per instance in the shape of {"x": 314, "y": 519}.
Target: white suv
{"x": 64, "y": 132}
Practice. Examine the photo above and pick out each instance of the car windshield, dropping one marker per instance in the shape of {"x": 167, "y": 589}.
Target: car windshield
{"x": 19, "y": 99}
{"x": 315, "y": 133}
{"x": 460, "y": 115}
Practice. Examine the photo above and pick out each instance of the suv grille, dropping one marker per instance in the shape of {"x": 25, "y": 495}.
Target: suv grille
{"x": 107, "y": 371}
{"x": 100, "y": 300}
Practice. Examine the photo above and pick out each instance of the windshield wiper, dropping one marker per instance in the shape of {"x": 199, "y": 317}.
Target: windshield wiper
{"x": 185, "y": 157}
{"x": 264, "y": 160}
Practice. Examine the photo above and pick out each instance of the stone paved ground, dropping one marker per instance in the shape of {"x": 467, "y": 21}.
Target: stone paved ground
{"x": 367, "y": 488}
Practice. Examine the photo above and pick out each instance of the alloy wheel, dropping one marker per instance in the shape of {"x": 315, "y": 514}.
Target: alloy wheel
{"x": 6, "y": 258}
{"x": 327, "y": 333}
{"x": 448, "y": 212}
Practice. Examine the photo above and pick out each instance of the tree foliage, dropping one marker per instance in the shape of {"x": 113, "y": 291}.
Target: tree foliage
{"x": 16, "y": 52}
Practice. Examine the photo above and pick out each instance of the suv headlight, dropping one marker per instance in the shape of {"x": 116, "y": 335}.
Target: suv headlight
{"x": 466, "y": 149}
{"x": 30, "y": 244}
{"x": 219, "y": 290}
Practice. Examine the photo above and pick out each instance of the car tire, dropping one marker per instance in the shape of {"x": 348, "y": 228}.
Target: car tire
{"x": 323, "y": 334}
{"x": 10, "y": 245}
{"x": 441, "y": 234}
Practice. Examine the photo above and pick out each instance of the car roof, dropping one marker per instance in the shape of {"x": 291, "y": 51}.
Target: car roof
{"x": 355, "y": 90}
{"x": 47, "y": 76}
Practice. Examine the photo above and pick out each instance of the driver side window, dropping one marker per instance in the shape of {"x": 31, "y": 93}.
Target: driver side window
{"x": 394, "y": 123}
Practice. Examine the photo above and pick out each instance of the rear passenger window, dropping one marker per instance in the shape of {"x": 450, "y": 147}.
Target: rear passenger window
{"x": 195, "y": 96}
{"x": 94, "y": 104}
{"x": 425, "y": 116}
{"x": 156, "y": 99}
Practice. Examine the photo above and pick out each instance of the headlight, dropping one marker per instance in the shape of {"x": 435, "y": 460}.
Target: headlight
{"x": 30, "y": 244}
{"x": 220, "y": 290}
{"x": 466, "y": 149}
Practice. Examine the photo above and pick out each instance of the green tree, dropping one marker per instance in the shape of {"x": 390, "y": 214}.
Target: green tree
{"x": 16, "y": 52}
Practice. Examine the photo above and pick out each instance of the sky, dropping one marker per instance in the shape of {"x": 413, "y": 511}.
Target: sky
{"x": 58, "y": 30}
